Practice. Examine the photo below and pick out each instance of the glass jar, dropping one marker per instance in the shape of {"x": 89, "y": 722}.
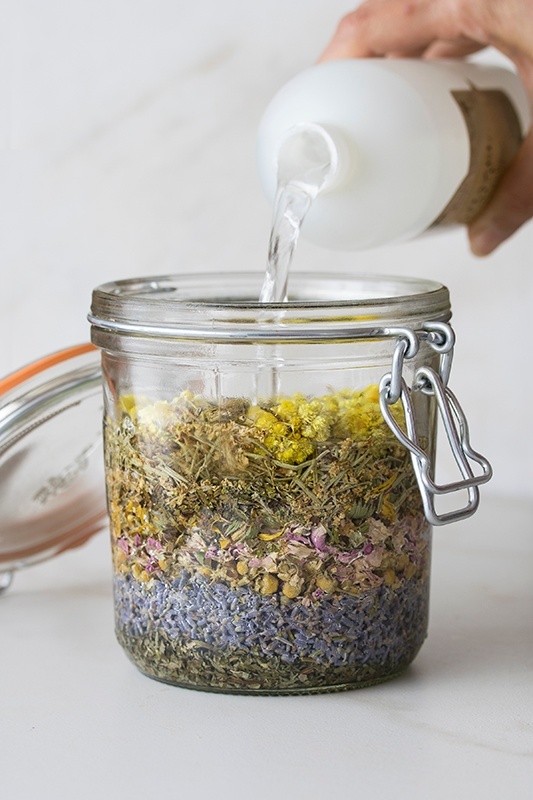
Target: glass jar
{"x": 51, "y": 462}
{"x": 269, "y": 526}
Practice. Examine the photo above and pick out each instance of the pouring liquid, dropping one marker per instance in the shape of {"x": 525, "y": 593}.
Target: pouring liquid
{"x": 305, "y": 162}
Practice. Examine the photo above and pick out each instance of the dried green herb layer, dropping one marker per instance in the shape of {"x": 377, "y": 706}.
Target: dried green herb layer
{"x": 299, "y": 501}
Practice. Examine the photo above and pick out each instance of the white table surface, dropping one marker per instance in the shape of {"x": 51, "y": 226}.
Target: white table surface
{"x": 78, "y": 721}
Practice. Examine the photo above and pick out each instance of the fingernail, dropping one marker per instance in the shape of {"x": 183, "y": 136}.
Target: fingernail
{"x": 484, "y": 240}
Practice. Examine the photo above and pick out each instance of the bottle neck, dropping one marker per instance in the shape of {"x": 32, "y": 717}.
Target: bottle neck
{"x": 313, "y": 157}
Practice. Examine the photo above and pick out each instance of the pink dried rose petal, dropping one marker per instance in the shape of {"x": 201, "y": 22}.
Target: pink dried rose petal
{"x": 153, "y": 543}
{"x": 267, "y": 563}
{"x": 318, "y": 537}
{"x": 375, "y": 557}
{"x": 349, "y": 556}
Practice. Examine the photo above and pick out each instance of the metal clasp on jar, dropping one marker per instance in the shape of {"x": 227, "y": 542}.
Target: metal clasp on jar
{"x": 393, "y": 387}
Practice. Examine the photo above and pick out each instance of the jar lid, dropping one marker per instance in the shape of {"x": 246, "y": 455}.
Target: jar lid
{"x": 52, "y": 488}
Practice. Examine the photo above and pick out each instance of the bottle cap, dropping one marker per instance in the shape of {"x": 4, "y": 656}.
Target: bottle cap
{"x": 52, "y": 487}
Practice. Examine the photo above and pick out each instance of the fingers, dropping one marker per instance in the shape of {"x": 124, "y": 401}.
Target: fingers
{"x": 453, "y": 29}
{"x": 383, "y": 27}
{"x": 454, "y": 48}
{"x": 511, "y": 206}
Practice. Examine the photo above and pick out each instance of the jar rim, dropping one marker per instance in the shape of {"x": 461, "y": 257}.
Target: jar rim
{"x": 222, "y": 305}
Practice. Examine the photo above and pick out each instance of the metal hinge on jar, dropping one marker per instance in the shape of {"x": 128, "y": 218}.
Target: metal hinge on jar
{"x": 393, "y": 387}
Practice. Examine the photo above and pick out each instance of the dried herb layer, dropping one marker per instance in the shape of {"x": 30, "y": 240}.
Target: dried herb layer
{"x": 298, "y": 503}
{"x": 208, "y": 635}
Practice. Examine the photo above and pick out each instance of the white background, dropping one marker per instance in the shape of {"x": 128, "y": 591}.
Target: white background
{"x": 128, "y": 149}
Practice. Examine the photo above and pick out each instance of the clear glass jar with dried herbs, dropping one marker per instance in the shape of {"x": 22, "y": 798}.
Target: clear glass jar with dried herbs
{"x": 268, "y": 530}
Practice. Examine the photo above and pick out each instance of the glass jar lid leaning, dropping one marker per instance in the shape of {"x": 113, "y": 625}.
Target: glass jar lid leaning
{"x": 269, "y": 494}
{"x": 52, "y": 490}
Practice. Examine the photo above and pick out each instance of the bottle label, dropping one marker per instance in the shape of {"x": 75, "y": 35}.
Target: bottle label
{"x": 495, "y": 136}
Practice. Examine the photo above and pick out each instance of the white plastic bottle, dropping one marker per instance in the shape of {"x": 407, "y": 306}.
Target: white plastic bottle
{"x": 413, "y": 143}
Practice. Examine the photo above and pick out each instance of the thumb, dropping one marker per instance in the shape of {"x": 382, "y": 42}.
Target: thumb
{"x": 511, "y": 206}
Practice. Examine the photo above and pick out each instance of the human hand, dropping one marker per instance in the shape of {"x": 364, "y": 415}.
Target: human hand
{"x": 454, "y": 29}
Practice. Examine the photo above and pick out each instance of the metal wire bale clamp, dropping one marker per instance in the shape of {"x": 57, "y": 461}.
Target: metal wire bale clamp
{"x": 393, "y": 387}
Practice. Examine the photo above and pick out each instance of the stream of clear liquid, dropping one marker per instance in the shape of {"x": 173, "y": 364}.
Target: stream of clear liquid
{"x": 304, "y": 163}
{"x": 290, "y": 209}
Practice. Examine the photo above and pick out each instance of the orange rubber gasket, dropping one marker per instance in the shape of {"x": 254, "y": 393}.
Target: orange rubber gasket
{"x": 27, "y": 372}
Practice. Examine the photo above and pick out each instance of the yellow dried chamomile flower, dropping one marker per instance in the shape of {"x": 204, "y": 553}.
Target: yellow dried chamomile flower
{"x": 330, "y": 406}
{"x": 260, "y": 418}
{"x": 288, "y": 411}
{"x": 135, "y": 513}
{"x": 269, "y": 584}
{"x": 291, "y": 428}
{"x": 156, "y": 417}
{"x": 120, "y": 557}
{"x": 311, "y": 418}
{"x": 402, "y": 561}
{"x": 359, "y": 412}
{"x": 140, "y": 574}
{"x": 186, "y": 398}
{"x": 391, "y": 579}
{"x": 130, "y": 404}
{"x": 295, "y": 452}
{"x": 318, "y": 429}
{"x": 127, "y": 404}
{"x": 285, "y": 445}
{"x": 371, "y": 393}
{"x": 266, "y": 422}
{"x": 291, "y": 590}
{"x": 410, "y": 570}
{"x": 316, "y": 420}
{"x": 326, "y": 583}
